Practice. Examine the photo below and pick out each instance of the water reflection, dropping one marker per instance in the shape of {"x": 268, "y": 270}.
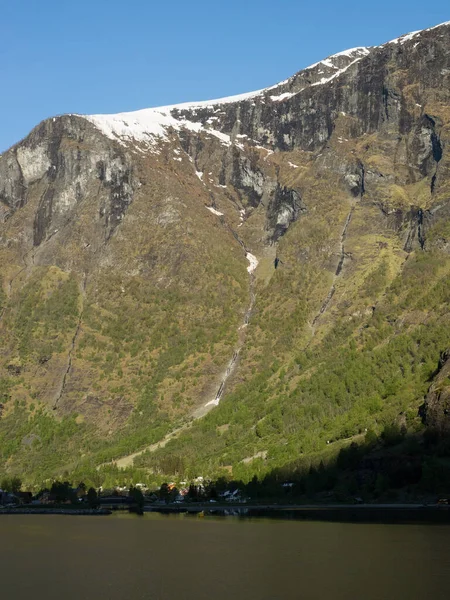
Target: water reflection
{"x": 175, "y": 556}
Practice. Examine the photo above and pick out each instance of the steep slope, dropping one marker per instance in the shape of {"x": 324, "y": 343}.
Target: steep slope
{"x": 436, "y": 408}
{"x": 138, "y": 255}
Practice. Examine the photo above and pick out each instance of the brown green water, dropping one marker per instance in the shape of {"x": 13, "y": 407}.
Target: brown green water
{"x": 185, "y": 557}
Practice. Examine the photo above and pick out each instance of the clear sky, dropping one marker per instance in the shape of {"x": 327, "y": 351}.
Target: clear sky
{"x": 103, "y": 56}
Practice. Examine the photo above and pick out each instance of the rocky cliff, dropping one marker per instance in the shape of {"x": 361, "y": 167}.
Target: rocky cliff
{"x": 158, "y": 264}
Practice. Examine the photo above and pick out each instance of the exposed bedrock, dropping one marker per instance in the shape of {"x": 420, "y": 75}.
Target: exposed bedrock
{"x": 64, "y": 162}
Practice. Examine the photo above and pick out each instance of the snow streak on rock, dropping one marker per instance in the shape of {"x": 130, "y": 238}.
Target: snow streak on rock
{"x": 214, "y": 211}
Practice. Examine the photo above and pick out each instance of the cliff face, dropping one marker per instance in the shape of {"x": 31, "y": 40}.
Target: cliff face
{"x": 128, "y": 246}
{"x": 372, "y": 117}
{"x": 61, "y": 163}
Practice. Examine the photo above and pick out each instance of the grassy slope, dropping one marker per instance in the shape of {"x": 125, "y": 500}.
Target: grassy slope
{"x": 366, "y": 373}
{"x": 158, "y": 322}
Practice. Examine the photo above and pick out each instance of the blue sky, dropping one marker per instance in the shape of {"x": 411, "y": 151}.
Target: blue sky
{"x": 102, "y": 56}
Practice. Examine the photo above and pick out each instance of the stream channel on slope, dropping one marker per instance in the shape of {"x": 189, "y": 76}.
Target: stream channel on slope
{"x": 201, "y": 411}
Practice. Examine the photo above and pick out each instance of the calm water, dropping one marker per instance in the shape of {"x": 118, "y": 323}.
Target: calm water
{"x": 184, "y": 557}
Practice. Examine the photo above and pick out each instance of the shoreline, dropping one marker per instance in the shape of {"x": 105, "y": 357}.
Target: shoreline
{"x": 345, "y": 513}
{"x": 56, "y": 511}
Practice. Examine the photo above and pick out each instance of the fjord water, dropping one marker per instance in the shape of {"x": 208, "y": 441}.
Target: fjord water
{"x": 184, "y": 557}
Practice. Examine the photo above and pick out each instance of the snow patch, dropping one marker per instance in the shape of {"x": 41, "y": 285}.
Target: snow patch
{"x": 223, "y": 137}
{"x": 361, "y": 50}
{"x": 281, "y": 97}
{"x": 253, "y": 262}
{"x": 339, "y": 72}
{"x": 214, "y": 211}
{"x": 351, "y": 51}
{"x": 263, "y": 148}
{"x": 327, "y": 62}
{"x": 146, "y": 126}
{"x": 404, "y": 38}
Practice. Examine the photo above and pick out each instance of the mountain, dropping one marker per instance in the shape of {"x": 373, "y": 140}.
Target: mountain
{"x": 229, "y": 286}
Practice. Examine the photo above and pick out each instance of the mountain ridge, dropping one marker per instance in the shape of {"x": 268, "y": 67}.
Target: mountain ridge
{"x": 363, "y": 50}
{"x": 359, "y": 51}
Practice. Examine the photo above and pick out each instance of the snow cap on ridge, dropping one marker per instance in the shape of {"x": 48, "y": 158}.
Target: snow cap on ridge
{"x": 151, "y": 125}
